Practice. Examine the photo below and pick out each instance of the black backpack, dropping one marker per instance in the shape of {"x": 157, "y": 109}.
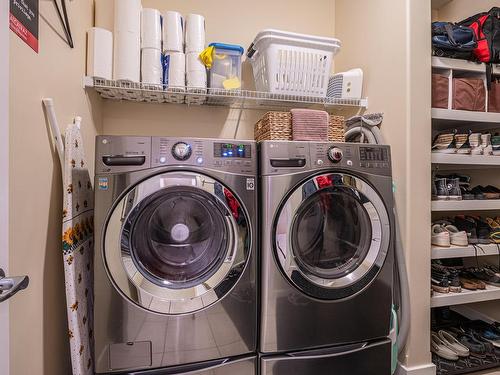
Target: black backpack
{"x": 486, "y": 28}
{"x": 450, "y": 40}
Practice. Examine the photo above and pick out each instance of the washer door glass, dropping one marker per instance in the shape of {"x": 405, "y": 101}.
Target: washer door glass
{"x": 332, "y": 235}
{"x": 179, "y": 237}
{"x": 177, "y": 242}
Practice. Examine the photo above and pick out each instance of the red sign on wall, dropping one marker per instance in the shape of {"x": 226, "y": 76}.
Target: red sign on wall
{"x": 23, "y": 19}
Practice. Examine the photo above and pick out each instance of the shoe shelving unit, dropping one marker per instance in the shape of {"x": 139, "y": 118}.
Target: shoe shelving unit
{"x": 464, "y": 251}
{"x": 466, "y": 296}
{"x": 485, "y": 166}
{"x": 466, "y": 205}
{"x": 452, "y": 161}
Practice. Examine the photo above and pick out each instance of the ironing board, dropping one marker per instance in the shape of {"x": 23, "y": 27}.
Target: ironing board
{"x": 77, "y": 243}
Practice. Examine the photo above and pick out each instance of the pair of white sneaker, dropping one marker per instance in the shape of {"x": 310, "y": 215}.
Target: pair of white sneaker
{"x": 480, "y": 144}
{"x": 445, "y": 235}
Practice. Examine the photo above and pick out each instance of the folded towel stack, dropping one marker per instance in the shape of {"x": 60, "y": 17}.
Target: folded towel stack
{"x": 310, "y": 125}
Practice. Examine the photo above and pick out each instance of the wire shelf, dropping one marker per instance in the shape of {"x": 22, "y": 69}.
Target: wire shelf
{"x": 239, "y": 99}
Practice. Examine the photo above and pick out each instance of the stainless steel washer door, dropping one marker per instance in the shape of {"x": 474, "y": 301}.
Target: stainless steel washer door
{"x": 177, "y": 242}
{"x": 332, "y": 235}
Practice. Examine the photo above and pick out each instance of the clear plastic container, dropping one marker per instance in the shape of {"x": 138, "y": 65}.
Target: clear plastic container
{"x": 225, "y": 72}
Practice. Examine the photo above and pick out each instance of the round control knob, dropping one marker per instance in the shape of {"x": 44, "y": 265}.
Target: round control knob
{"x": 335, "y": 154}
{"x": 181, "y": 151}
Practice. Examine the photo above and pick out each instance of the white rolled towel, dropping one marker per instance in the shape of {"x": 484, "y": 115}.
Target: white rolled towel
{"x": 127, "y": 56}
{"x": 173, "y": 32}
{"x": 195, "y": 33}
{"x": 151, "y": 66}
{"x": 151, "y": 31}
{"x": 100, "y": 53}
{"x": 196, "y": 74}
{"x": 174, "y": 69}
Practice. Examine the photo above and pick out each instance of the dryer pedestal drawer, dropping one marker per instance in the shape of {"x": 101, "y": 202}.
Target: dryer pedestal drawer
{"x": 225, "y": 366}
{"x": 370, "y": 359}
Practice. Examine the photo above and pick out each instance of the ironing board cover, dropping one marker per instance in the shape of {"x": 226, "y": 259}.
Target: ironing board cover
{"x": 77, "y": 241}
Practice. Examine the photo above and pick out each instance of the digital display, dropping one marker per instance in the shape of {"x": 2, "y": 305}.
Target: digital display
{"x": 232, "y": 150}
{"x": 373, "y": 154}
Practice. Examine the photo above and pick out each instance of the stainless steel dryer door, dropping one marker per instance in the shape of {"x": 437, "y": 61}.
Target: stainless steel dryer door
{"x": 177, "y": 242}
{"x": 332, "y": 235}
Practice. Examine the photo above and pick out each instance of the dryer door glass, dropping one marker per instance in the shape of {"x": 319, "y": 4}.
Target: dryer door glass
{"x": 177, "y": 242}
{"x": 332, "y": 235}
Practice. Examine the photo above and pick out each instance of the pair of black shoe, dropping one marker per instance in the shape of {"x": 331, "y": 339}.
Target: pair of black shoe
{"x": 473, "y": 340}
{"x": 478, "y": 231}
{"x": 445, "y": 279}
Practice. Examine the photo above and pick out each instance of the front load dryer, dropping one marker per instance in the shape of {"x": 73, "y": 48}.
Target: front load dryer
{"x": 175, "y": 263}
{"x": 327, "y": 258}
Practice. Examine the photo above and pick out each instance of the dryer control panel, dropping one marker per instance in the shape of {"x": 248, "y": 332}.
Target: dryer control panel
{"x": 279, "y": 157}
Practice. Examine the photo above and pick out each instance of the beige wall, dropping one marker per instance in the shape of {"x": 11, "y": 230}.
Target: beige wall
{"x": 39, "y": 341}
{"x": 397, "y": 83}
{"x": 458, "y": 10}
{"x": 231, "y": 22}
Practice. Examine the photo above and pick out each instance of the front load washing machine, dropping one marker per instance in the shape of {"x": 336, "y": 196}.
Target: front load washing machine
{"x": 175, "y": 263}
{"x": 327, "y": 258}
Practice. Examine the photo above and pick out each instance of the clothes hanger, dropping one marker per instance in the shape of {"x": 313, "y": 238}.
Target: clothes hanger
{"x": 63, "y": 17}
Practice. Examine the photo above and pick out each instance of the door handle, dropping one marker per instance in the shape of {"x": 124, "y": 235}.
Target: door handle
{"x": 9, "y": 286}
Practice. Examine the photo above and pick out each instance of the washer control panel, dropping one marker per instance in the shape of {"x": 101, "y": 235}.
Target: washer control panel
{"x": 119, "y": 154}
{"x": 237, "y": 157}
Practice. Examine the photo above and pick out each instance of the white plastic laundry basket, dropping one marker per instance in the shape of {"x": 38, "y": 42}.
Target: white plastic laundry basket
{"x": 291, "y": 63}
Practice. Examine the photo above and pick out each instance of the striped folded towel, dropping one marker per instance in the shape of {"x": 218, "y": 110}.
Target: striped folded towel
{"x": 309, "y": 125}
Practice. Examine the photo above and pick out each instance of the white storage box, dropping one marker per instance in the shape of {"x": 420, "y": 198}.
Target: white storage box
{"x": 291, "y": 63}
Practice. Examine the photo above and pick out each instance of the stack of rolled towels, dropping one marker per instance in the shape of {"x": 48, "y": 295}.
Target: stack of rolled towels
{"x": 151, "y": 53}
{"x": 135, "y": 44}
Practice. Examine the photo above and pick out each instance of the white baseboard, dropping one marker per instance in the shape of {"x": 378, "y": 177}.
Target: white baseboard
{"x": 429, "y": 369}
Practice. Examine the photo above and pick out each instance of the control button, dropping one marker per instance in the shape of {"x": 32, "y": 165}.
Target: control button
{"x": 181, "y": 151}
{"x": 349, "y": 163}
{"x": 319, "y": 162}
{"x": 218, "y": 162}
{"x": 237, "y": 162}
{"x": 199, "y": 160}
{"x": 335, "y": 154}
{"x": 248, "y": 163}
{"x": 228, "y": 162}
{"x": 163, "y": 160}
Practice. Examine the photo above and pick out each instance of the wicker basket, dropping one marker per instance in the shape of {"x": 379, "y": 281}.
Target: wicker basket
{"x": 277, "y": 126}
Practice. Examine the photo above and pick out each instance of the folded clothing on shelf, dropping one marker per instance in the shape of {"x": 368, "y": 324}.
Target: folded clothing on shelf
{"x": 309, "y": 125}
